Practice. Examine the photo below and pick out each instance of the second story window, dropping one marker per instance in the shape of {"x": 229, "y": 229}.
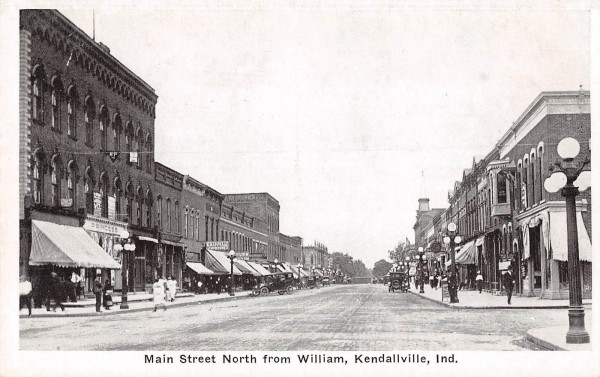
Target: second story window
{"x": 36, "y": 181}
{"x": 116, "y": 128}
{"x": 177, "y": 225}
{"x": 54, "y": 180}
{"x": 37, "y": 100}
{"x": 159, "y": 213}
{"x": 502, "y": 192}
{"x": 103, "y": 125}
{"x": 88, "y": 182}
{"x": 88, "y": 118}
{"x": 149, "y": 209}
{"x": 169, "y": 224}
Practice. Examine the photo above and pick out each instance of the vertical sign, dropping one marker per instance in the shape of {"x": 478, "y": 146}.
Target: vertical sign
{"x": 97, "y": 204}
{"x": 111, "y": 208}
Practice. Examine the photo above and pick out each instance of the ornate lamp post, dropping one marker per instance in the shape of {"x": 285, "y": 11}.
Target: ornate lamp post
{"x": 421, "y": 286}
{"x": 231, "y": 257}
{"x": 122, "y": 247}
{"x": 570, "y": 179}
{"x": 452, "y": 239}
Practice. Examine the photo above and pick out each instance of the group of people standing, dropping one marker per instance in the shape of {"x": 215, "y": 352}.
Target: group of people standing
{"x": 103, "y": 293}
{"x": 163, "y": 291}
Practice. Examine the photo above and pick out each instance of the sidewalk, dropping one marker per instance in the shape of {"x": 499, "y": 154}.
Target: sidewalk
{"x": 552, "y": 338}
{"x": 136, "y": 302}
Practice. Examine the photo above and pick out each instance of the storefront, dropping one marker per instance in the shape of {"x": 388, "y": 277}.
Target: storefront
{"x": 105, "y": 233}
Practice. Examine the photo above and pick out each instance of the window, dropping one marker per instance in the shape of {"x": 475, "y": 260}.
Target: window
{"x": 159, "y": 212}
{"x": 39, "y": 78}
{"x": 128, "y": 141}
{"x": 177, "y": 225}
{"x": 540, "y": 163}
{"x": 56, "y": 109}
{"x": 104, "y": 194}
{"x": 533, "y": 179}
{"x": 118, "y": 194}
{"x": 88, "y": 183}
{"x": 149, "y": 209}
{"x": 129, "y": 199}
{"x": 116, "y": 132}
{"x": 169, "y": 224}
{"x": 185, "y": 223}
{"x": 54, "y": 180}
{"x": 88, "y": 117}
{"x": 36, "y": 181}
{"x": 139, "y": 209}
{"x": 525, "y": 194}
{"x": 71, "y": 112}
{"x": 198, "y": 226}
{"x": 501, "y": 184}
{"x": 149, "y": 149}
{"x": 103, "y": 123}
{"x": 71, "y": 182}
{"x": 138, "y": 147}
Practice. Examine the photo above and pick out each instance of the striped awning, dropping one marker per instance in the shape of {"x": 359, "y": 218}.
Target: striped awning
{"x": 260, "y": 269}
{"x": 218, "y": 262}
{"x": 245, "y": 267}
{"x": 66, "y": 246}
{"x": 199, "y": 268}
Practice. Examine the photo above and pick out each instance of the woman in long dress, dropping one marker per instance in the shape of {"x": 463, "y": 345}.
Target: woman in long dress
{"x": 158, "y": 293}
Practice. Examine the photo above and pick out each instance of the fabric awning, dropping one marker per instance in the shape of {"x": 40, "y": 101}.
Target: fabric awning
{"x": 281, "y": 268}
{"x": 304, "y": 273}
{"x": 177, "y": 244}
{"x": 318, "y": 273}
{"x": 295, "y": 272}
{"x": 260, "y": 269}
{"x": 149, "y": 239}
{"x": 244, "y": 267}
{"x": 479, "y": 241}
{"x": 66, "y": 246}
{"x": 467, "y": 254}
{"x": 558, "y": 237}
{"x": 218, "y": 261}
{"x": 199, "y": 268}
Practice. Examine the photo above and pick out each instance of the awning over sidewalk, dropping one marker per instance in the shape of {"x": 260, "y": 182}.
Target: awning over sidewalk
{"x": 199, "y": 268}
{"x": 318, "y": 273}
{"x": 66, "y": 246}
{"x": 558, "y": 237}
{"x": 219, "y": 263}
{"x": 295, "y": 272}
{"x": 260, "y": 269}
{"x": 245, "y": 267}
{"x": 149, "y": 239}
{"x": 304, "y": 273}
{"x": 466, "y": 255}
{"x": 281, "y": 268}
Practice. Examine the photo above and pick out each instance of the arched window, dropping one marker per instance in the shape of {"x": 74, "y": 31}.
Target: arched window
{"x": 128, "y": 140}
{"x": 104, "y": 194}
{"x": 541, "y": 172}
{"x": 88, "y": 183}
{"x": 140, "y": 208}
{"x": 118, "y": 190}
{"x": 38, "y": 87}
{"x": 37, "y": 177}
{"x": 169, "y": 224}
{"x": 56, "y": 102}
{"x": 525, "y": 170}
{"x": 129, "y": 198}
{"x": 149, "y": 204}
{"x": 159, "y": 212}
{"x": 116, "y": 126}
{"x": 139, "y": 141}
{"x": 533, "y": 171}
{"x": 72, "y": 182}
{"x": 55, "y": 174}
{"x": 185, "y": 222}
{"x": 88, "y": 117}
{"x": 198, "y": 225}
{"x": 177, "y": 225}
{"x": 103, "y": 124}
{"x": 72, "y": 102}
{"x": 149, "y": 150}
{"x": 519, "y": 182}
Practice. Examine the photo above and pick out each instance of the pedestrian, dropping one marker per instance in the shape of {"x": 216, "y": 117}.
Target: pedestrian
{"x": 98, "y": 289}
{"x": 25, "y": 295}
{"x": 509, "y": 282}
{"x": 54, "y": 292}
{"x": 158, "y": 294}
{"x": 199, "y": 286}
{"x": 76, "y": 280}
{"x": 172, "y": 287}
{"x": 453, "y": 287}
{"x": 479, "y": 281}
{"x": 107, "y": 296}
{"x": 168, "y": 294}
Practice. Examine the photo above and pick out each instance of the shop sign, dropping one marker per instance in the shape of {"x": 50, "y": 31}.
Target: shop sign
{"x": 97, "y": 204}
{"x": 66, "y": 202}
{"x": 101, "y": 227}
{"x": 217, "y": 245}
{"x": 133, "y": 157}
{"x": 111, "y": 208}
{"x": 244, "y": 255}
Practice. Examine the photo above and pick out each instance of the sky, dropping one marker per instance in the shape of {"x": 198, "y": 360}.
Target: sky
{"x": 346, "y": 115}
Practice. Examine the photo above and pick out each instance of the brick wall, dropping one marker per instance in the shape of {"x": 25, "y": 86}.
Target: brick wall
{"x": 24, "y": 117}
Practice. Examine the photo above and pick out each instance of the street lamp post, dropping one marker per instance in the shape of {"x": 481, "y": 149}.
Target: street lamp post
{"x": 570, "y": 179}
{"x": 421, "y": 286}
{"x": 452, "y": 239}
{"x": 231, "y": 257}
{"x": 124, "y": 248}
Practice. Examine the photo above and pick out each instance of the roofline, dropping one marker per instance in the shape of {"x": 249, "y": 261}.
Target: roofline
{"x": 203, "y": 185}
{"x": 253, "y": 193}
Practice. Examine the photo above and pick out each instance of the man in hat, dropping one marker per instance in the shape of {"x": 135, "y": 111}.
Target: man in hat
{"x": 508, "y": 281}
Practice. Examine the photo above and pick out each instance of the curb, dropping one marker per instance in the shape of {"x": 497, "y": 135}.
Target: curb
{"x": 134, "y": 310}
{"x": 459, "y": 306}
{"x": 543, "y": 343}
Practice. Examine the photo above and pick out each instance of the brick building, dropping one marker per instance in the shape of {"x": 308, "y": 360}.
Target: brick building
{"x": 86, "y": 144}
